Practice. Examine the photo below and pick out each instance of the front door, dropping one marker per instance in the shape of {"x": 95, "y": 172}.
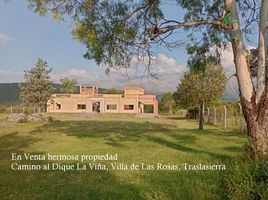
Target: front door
{"x": 96, "y": 106}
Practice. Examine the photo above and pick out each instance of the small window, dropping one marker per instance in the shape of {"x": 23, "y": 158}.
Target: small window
{"x": 128, "y": 107}
{"x": 58, "y": 106}
{"x": 81, "y": 106}
{"x": 111, "y": 107}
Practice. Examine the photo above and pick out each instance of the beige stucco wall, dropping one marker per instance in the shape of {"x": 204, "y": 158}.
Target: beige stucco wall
{"x": 133, "y": 91}
{"x": 120, "y": 101}
{"x": 69, "y": 102}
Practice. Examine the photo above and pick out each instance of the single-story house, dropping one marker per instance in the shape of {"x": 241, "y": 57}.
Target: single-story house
{"x": 89, "y": 101}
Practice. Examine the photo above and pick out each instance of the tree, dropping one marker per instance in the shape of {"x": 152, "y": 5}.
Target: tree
{"x": 68, "y": 85}
{"x": 167, "y": 103}
{"x": 115, "y": 31}
{"x": 37, "y": 88}
{"x": 113, "y": 91}
{"x": 198, "y": 87}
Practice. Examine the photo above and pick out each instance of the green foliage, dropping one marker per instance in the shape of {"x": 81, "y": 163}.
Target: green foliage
{"x": 167, "y": 103}
{"x": 68, "y": 86}
{"x": 247, "y": 179}
{"x": 37, "y": 88}
{"x": 112, "y": 91}
{"x": 50, "y": 119}
{"x": 115, "y": 31}
{"x": 112, "y": 31}
{"x": 9, "y": 94}
{"x": 23, "y": 120}
{"x": 148, "y": 108}
{"x": 199, "y": 86}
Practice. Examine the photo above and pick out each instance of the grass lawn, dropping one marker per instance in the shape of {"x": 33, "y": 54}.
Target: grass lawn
{"x": 135, "y": 140}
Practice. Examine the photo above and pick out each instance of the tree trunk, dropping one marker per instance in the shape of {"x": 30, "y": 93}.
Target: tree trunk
{"x": 257, "y": 125}
{"x": 170, "y": 110}
{"x": 39, "y": 109}
{"x": 256, "y": 113}
{"x": 262, "y": 50}
{"x": 201, "y": 116}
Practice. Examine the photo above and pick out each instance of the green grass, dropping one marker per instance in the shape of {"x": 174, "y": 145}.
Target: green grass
{"x": 138, "y": 140}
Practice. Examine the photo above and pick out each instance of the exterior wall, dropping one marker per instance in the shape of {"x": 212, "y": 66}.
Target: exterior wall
{"x": 69, "y": 102}
{"x": 120, "y": 101}
{"x": 88, "y": 90}
{"x": 112, "y": 99}
{"x": 133, "y": 91}
{"x": 149, "y": 99}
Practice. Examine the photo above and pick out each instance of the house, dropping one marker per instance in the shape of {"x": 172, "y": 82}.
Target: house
{"x": 90, "y": 101}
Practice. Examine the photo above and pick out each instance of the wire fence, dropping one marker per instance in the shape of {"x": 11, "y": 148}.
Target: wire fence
{"x": 21, "y": 109}
{"x": 227, "y": 116}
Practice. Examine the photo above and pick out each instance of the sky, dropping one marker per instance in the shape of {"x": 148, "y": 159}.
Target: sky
{"x": 26, "y": 36}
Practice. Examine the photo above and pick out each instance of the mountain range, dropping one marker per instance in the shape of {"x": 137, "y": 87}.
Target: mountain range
{"x": 9, "y": 93}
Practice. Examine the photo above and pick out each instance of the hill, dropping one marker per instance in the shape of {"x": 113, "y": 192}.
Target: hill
{"x": 9, "y": 93}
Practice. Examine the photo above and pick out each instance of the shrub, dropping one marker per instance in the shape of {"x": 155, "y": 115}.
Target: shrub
{"x": 246, "y": 179}
{"x": 50, "y": 119}
{"x": 23, "y": 120}
{"x": 4, "y": 110}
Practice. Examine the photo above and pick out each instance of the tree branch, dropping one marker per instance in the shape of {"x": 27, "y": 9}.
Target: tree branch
{"x": 216, "y": 22}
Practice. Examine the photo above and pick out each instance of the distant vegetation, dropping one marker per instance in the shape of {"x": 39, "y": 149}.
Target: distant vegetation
{"x": 9, "y": 92}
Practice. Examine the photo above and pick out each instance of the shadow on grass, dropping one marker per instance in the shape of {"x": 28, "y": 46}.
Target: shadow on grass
{"x": 188, "y": 149}
{"x": 176, "y": 118}
{"x": 215, "y": 132}
{"x": 114, "y": 132}
{"x": 117, "y": 133}
{"x": 234, "y": 149}
{"x": 56, "y": 184}
{"x": 12, "y": 143}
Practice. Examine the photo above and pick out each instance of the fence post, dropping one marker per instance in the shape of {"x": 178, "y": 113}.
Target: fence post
{"x": 241, "y": 118}
{"x": 208, "y": 114}
{"x": 11, "y": 110}
{"x": 225, "y": 117}
{"x": 215, "y": 115}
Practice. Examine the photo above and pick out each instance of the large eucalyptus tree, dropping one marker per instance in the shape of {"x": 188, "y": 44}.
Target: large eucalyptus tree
{"x": 115, "y": 31}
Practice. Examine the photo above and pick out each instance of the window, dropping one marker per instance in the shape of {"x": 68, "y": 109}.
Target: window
{"x": 128, "y": 107}
{"x": 58, "y": 106}
{"x": 81, "y": 106}
{"x": 111, "y": 106}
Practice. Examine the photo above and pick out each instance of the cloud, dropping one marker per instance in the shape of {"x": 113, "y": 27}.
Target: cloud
{"x": 167, "y": 70}
{"x": 227, "y": 58}
{"x": 79, "y": 73}
{"x": 9, "y": 76}
{"x": 5, "y": 38}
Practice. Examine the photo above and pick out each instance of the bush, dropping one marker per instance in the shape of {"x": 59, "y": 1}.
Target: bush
{"x": 23, "y": 120}
{"x": 50, "y": 119}
{"x": 246, "y": 179}
{"x": 4, "y": 110}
